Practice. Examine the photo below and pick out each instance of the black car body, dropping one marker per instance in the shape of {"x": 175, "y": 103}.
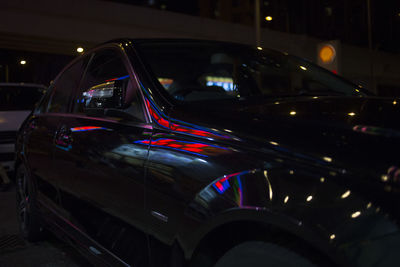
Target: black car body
{"x": 136, "y": 158}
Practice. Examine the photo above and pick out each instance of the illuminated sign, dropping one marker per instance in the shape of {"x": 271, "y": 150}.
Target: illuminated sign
{"x": 224, "y": 82}
{"x": 327, "y": 53}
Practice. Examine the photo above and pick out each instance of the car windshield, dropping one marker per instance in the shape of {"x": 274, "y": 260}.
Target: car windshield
{"x": 19, "y": 97}
{"x": 201, "y": 71}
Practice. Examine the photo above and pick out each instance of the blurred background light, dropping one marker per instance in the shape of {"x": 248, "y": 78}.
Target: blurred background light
{"x": 327, "y": 53}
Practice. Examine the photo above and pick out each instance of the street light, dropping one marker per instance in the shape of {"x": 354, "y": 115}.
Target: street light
{"x": 268, "y": 18}
{"x": 80, "y": 49}
{"x": 22, "y": 62}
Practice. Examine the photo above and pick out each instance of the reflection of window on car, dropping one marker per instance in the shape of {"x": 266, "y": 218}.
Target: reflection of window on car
{"x": 104, "y": 95}
{"x": 165, "y": 82}
{"x": 106, "y": 88}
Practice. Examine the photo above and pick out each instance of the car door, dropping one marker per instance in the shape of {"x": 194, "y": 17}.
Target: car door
{"x": 101, "y": 168}
{"x": 41, "y": 129}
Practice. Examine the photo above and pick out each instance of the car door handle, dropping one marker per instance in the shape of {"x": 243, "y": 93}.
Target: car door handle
{"x": 63, "y": 137}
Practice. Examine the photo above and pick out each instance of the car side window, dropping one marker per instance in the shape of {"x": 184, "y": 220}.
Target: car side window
{"x": 64, "y": 87}
{"x": 107, "y": 90}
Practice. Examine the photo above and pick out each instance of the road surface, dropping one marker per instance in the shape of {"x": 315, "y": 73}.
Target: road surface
{"x": 15, "y": 252}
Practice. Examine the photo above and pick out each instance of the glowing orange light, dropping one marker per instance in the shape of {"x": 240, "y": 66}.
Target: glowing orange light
{"x": 327, "y": 53}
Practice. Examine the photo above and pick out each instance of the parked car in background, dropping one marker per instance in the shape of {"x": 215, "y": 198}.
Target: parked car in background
{"x": 201, "y": 153}
{"x": 16, "y": 102}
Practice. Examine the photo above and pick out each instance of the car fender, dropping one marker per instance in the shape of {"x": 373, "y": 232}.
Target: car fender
{"x": 312, "y": 204}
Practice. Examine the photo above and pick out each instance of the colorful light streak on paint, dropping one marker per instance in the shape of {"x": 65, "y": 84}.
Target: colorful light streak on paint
{"x": 239, "y": 195}
{"x": 223, "y": 184}
{"x": 155, "y": 115}
{"x": 86, "y": 128}
{"x": 158, "y": 118}
{"x": 118, "y": 78}
{"x": 195, "y": 148}
{"x": 179, "y": 128}
{"x": 68, "y": 148}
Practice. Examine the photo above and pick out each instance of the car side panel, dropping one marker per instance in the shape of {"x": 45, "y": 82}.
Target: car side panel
{"x": 179, "y": 166}
{"x": 38, "y": 134}
{"x": 101, "y": 179}
{"x": 195, "y": 186}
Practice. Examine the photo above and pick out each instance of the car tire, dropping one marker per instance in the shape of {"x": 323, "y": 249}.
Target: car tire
{"x": 27, "y": 213}
{"x": 262, "y": 254}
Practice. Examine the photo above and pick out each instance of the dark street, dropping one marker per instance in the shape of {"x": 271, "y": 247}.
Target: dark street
{"x": 14, "y": 251}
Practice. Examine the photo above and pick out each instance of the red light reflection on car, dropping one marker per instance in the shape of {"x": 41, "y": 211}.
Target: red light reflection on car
{"x": 200, "y": 149}
{"x": 86, "y": 128}
{"x": 232, "y": 179}
{"x": 222, "y": 184}
{"x": 180, "y": 128}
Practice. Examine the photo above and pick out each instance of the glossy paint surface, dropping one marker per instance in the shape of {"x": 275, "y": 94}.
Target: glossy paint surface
{"x": 322, "y": 169}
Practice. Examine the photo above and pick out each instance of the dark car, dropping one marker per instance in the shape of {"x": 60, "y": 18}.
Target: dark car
{"x": 202, "y": 153}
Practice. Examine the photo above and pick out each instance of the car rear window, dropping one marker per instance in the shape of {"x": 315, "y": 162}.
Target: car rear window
{"x": 19, "y": 97}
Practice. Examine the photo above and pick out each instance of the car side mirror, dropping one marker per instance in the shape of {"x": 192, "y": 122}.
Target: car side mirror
{"x": 105, "y": 95}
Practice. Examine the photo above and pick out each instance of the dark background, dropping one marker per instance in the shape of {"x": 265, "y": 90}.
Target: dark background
{"x": 343, "y": 20}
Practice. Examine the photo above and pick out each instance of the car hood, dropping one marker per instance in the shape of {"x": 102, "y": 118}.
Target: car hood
{"x": 353, "y": 133}
{"x": 12, "y": 120}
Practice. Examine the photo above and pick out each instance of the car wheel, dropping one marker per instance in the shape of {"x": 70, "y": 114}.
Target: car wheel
{"x": 27, "y": 213}
{"x": 261, "y": 254}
